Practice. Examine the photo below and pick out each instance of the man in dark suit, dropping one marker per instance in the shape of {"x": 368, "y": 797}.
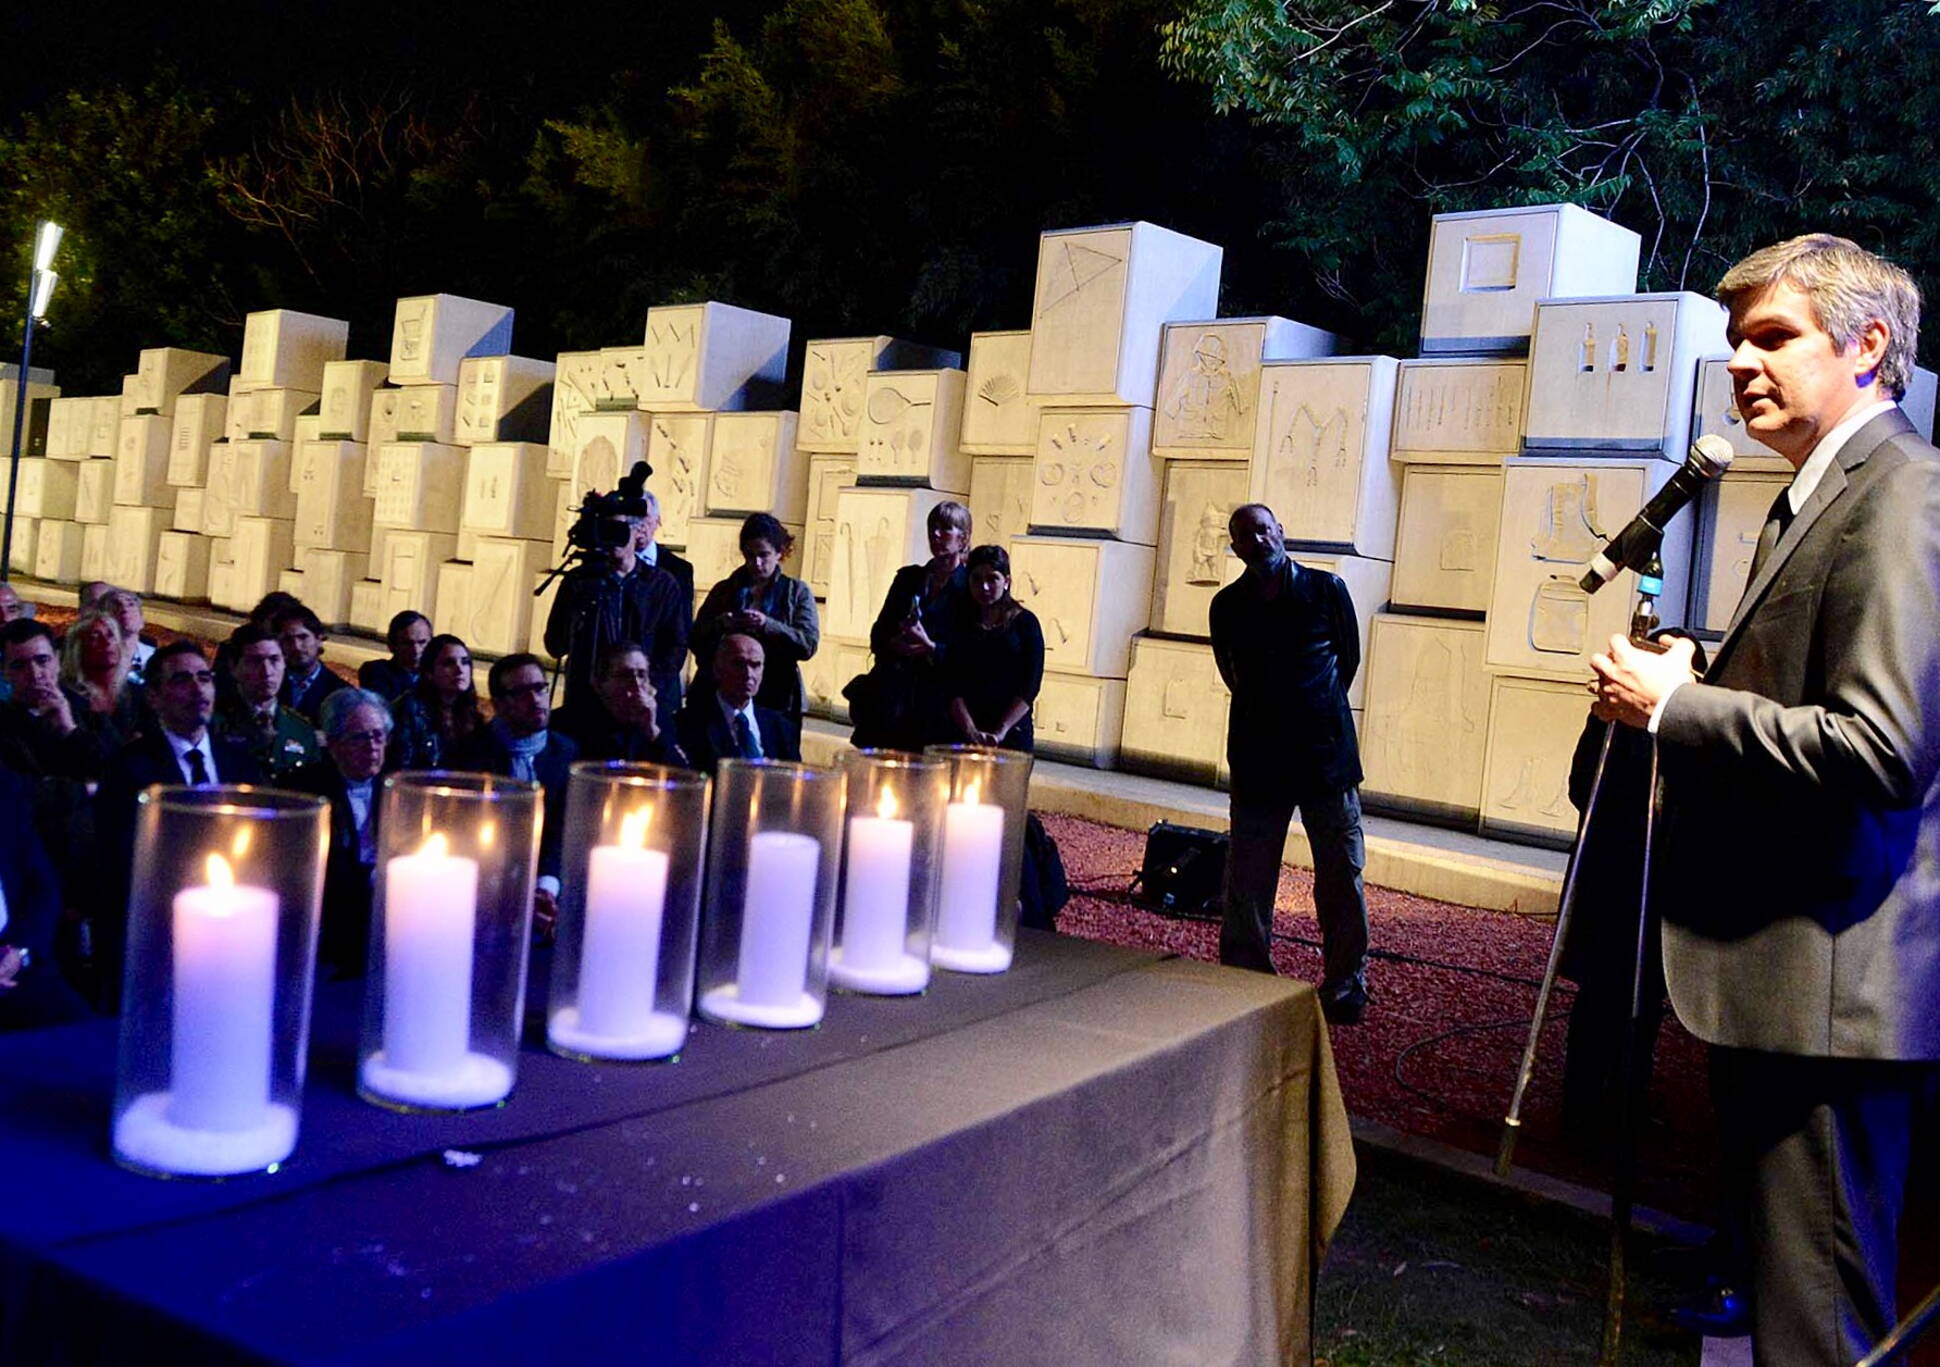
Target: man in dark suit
{"x": 726, "y": 722}
{"x": 356, "y": 729}
{"x": 32, "y": 991}
{"x": 1801, "y": 800}
{"x": 648, "y": 547}
{"x": 1286, "y": 642}
{"x": 306, "y": 680}
{"x": 621, "y": 721}
{"x": 614, "y": 595}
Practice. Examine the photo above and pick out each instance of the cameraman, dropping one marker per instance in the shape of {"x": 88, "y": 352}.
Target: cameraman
{"x": 611, "y": 595}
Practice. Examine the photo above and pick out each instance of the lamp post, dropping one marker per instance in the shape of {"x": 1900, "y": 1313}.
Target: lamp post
{"x": 40, "y": 289}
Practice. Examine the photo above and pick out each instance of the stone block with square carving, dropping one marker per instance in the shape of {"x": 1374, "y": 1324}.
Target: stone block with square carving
{"x": 94, "y": 491}
{"x": 503, "y": 569}
{"x": 503, "y": 398}
{"x": 834, "y": 373}
{"x": 1458, "y": 410}
{"x": 1209, "y": 382}
{"x": 409, "y": 569}
{"x": 877, "y": 532}
{"x": 134, "y": 535}
{"x": 1617, "y": 374}
{"x": 1368, "y": 586}
{"x": 1555, "y": 516}
{"x": 1196, "y": 555}
{"x": 182, "y": 567}
{"x": 911, "y": 420}
{"x": 1320, "y": 452}
{"x": 284, "y": 349}
{"x": 1533, "y": 728}
{"x": 1730, "y": 517}
{"x": 1176, "y": 710}
{"x": 1444, "y": 550}
{"x": 999, "y": 415}
{"x": 198, "y": 424}
{"x": 575, "y": 390}
{"x": 1079, "y": 719}
{"x": 165, "y": 373}
{"x": 708, "y": 357}
{"x": 420, "y": 486}
{"x": 1487, "y": 269}
{"x": 677, "y": 446}
{"x": 1090, "y": 596}
{"x": 46, "y": 488}
{"x": 828, "y": 476}
{"x": 263, "y": 548}
{"x": 432, "y": 333}
{"x": 328, "y": 577}
{"x": 57, "y": 551}
{"x": 332, "y": 510}
{"x": 188, "y": 510}
{"x": 141, "y": 462}
{"x": 1425, "y": 732}
{"x": 269, "y": 414}
{"x": 507, "y": 492}
{"x": 753, "y": 467}
{"x": 609, "y": 444}
{"x": 1000, "y": 499}
{"x": 344, "y": 407}
{"x": 1094, "y": 473}
{"x": 1102, "y": 296}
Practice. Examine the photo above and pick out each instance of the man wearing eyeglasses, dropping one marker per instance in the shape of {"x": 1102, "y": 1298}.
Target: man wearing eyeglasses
{"x": 356, "y": 729}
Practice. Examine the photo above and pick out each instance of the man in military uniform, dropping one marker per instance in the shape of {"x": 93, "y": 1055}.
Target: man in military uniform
{"x": 277, "y": 737}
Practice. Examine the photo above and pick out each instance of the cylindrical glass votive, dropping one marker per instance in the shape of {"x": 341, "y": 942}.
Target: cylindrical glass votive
{"x": 451, "y": 919}
{"x": 629, "y": 910}
{"x": 774, "y": 858}
{"x": 890, "y": 863}
{"x": 222, "y": 943}
{"x": 983, "y": 857}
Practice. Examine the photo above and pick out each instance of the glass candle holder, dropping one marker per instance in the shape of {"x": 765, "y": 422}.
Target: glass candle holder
{"x": 890, "y": 863}
{"x": 773, "y": 862}
{"x": 224, "y": 900}
{"x": 983, "y": 857}
{"x": 629, "y": 911}
{"x": 451, "y": 922}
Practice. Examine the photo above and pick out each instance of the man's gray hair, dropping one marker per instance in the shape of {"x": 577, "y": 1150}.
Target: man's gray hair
{"x": 334, "y": 716}
{"x": 1848, "y": 287}
{"x": 652, "y": 501}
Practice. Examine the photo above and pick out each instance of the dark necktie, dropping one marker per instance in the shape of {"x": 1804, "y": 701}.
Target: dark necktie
{"x": 744, "y": 745}
{"x": 198, "y": 771}
{"x": 1776, "y": 521}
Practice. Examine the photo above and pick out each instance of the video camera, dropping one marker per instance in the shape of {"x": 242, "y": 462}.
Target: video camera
{"x": 602, "y": 522}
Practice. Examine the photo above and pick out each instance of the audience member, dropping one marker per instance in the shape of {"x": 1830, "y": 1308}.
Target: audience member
{"x": 440, "y": 711}
{"x": 307, "y": 681}
{"x": 92, "y": 591}
{"x": 263, "y": 615}
{"x": 612, "y": 595}
{"x": 646, "y": 543}
{"x": 997, "y": 659}
{"x": 723, "y": 721}
{"x": 94, "y": 662}
{"x": 408, "y": 635}
{"x": 900, "y": 703}
{"x": 356, "y": 730}
{"x": 12, "y": 605}
{"x": 622, "y": 722}
{"x": 278, "y": 739}
{"x": 32, "y": 991}
{"x": 758, "y": 600}
{"x": 125, "y": 605}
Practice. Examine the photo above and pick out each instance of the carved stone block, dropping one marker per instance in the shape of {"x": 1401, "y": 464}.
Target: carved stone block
{"x": 877, "y": 532}
{"x": 753, "y": 467}
{"x": 714, "y": 549}
{"x": 26, "y": 537}
{"x": 328, "y": 577}
{"x": 291, "y": 582}
{"x": 502, "y": 573}
{"x": 1555, "y": 516}
{"x": 622, "y": 370}
{"x": 134, "y": 535}
{"x": 420, "y": 487}
{"x": 828, "y": 476}
{"x": 1209, "y": 382}
{"x": 451, "y": 607}
{"x": 284, "y": 349}
{"x": 1487, "y": 269}
{"x": 1090, "y": 596}
{"x": 1715, "y": 414}
{"x": 1533, "y": 727}
{"x": 1195, "y": 548}
{"x": 999, "y": 416}
{"x": 1618, "y": 374}
{"x": 1095, "y": 473}
{"x": 94, "y": 551}
{"x": 188, "y": 510}
{"x": 503, "y": 398}
{"x": 1079, "y": 719}
{"x": 708, "y": 357}
{"x": 1176, "y": 711}
{"x": 94, "y": 491}
{"x": 367, "y": 607}
{"x": 1733, "y": 513}
{"x": 507, "y": 492}
{"x": 1444, "y": 550}
{"x": 141, "y": 462}
{"x": 819, "y": 681}
{"x": 1459, "y": 410}
{"x": 182, "y": 567}
{"x": 345, "y": 403}
{"x": 432, "y": 333}
{"x": 1426, "y": 730}
{"x": 834, "y": 373}
{"x": 36, "y": 426}
{"x": 1368, "y": 585}
{"x": 609, "y": 444}
{"x": 263, "y": 548}
{"x": 57, "y": 551}
{"x": 410, "y": 568}
{"x": 198, "y": 423}
{"x": 1320, "y": 452}
{"x": 260, "y": 471}
{"x": 164, "y": 373}
{"x": 57, "y": 443}
{"x": 104, "y": 421}
{"x": 1102, "y": 296}
{"x": 47, "y": 488}
{"x": 1000, "y": 500}
{"x": 677, "y": 445}
{"x": 910, "y": 423}
{"x": 269, "y": 414}
{"x": 575, "y": 390}
{"x": 332, "y": 511}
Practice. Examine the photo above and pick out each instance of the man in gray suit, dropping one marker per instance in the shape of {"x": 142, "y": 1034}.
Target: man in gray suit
{"x": 1801, "y": 805}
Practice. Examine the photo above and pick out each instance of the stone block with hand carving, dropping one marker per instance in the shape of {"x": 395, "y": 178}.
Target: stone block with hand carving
{"x": 1176, "y": 711}
{"x": 1463, "y": 410}
{"x": 141, "y": 462}
{"x": 26, "y": 539}
{"x": 502, "y": 572}
{"x": 1533, "y": 728}
{"x": 94, "y": 551}
{"x": 1090, "y": 596}
{"x": 609, "y": 445}
{"x": 1425, "y": 732}
{"x": 1368, "y": 585}
{"x": 1731, "y": 516}
{"x": 911, "y": 420}
{"x": 104, "y": 422}
{"x": 503, "y": 398}
{"x": 188, "y": 510}
{"x": 1196, "y": 557}
{"x": 451, "y": 606}
{"x": 263, "y": 547}
{"x": 46, "y": 489}
{"x": 753, "y": 466}
{"x": 877, "y": 532}
{"x": 708, "y": 357}
{"x": 1444, "y": 553}
{"x": 284, "y": 349}
{"x": 1094, "y": 474}
{"x": 1320, "y": 452}
{"x": 1617, "y": 374}
{"x": 260, "y": 471}
{"x": 1487, "y": 268}
{"x": 1209, "y": 382}
{"x": 432, "y": 333}
{"x": 367, "y": 597}
{"x": 410, "y": 568}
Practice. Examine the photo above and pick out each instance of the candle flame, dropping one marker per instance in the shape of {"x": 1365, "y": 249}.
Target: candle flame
{"x": 633, "y": 827}
{"x": 487, "y": 833}
{"x": 886, "y": 806}
{"x": 972, "y": 791}
{"x": 436, "y": 845}
{"x": 219, "y": 873}
{"x": 240, "y": 845}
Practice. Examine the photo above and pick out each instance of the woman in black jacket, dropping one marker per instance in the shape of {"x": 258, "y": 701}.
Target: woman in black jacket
{"x": 902, "y": 706}
{"x": 997, "y": 659}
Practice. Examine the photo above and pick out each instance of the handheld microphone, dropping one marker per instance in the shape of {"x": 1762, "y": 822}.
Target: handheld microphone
{"x": 1632, "y": 548}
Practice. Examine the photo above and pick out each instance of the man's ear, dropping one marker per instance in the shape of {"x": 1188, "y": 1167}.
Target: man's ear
{"x": 1869, "y": 353}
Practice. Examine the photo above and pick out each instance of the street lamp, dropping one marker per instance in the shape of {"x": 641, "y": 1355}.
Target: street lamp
{"x": 40, "y": 292}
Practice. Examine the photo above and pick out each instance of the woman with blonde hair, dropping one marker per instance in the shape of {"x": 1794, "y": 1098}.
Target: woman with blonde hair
{"x": 96, "y": 657}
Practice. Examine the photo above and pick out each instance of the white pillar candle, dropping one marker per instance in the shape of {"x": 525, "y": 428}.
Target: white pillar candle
{"x": 875, "y": 900}
{"x": 973, "y": 857}
{"x": 626, "y": 894}
{"x": 776, "y": 918}
{"x": 225, "y": 994}
{"x": 430, "y": 914}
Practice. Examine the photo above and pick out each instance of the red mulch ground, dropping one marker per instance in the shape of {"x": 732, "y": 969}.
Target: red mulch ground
{"x": 1454, "y": 988}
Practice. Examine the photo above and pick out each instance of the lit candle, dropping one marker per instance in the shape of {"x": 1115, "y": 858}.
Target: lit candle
{"x": 430, "y": 915}
{"x": 875, "y": 903}
{"x": 626, "y": 893}
{"x": 777, "y": 918}
{"x": 225, "y": 991}
{"x": 973, "y": 856}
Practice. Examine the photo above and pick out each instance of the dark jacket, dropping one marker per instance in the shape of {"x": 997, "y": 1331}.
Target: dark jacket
{"x": 681, "y": 568}
{"x": 990, "y": 669}
{"x": 485, "y": 752}
{"x": 343, "y": 944}
{"x": 594, "y": 606}
{"x": 290, "y": 740}
{"x": 309, "y": 702}
{"x": 791, "y": 636}
{"x": 40, "y": 995}
{"x": 58, "y": 770}
{"x": 599, "y": 736}
{"x": 416, "y": 740}
{"x": 385, "y": 679}
{"x": 704, "y": 734}
{"x": 906, "y": 698}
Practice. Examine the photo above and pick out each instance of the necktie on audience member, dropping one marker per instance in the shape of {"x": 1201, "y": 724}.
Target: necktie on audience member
{"x": 744, "y": 742}
{"x": 198, "y": 771}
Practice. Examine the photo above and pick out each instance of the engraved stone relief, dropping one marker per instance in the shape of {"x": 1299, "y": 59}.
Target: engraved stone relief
{"x": 1207, "y": 402}
{"x": 672, "y": 351}
{"x": 833, "y": 378}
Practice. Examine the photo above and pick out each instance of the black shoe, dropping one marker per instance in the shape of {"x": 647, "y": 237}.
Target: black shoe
{"x": 1344, "y": 1003}
{"x": 1717, "y": 1312}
